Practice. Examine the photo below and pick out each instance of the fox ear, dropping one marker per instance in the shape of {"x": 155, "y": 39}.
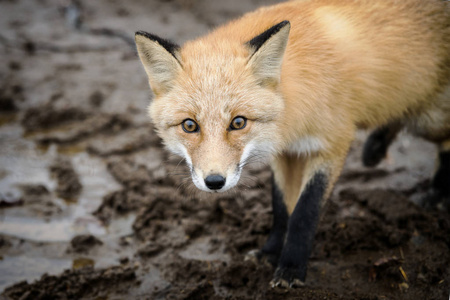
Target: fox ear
{"x": 160, "y": 59}
{"x": 267, "y": 53}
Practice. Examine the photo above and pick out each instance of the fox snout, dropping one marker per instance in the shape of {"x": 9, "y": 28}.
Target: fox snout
{"x": 215, "y": 181}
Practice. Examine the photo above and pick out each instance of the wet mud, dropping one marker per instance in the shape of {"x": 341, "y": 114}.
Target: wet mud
{"x": 93, "y": 207}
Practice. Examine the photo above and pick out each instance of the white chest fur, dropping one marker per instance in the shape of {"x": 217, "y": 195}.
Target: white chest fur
{"x": 306, "y": 145}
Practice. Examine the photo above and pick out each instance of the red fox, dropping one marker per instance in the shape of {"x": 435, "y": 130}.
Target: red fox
{"x": 292, "y": 83}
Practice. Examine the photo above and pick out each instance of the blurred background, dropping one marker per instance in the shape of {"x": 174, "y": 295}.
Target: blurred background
{"x": 91, "y": 206}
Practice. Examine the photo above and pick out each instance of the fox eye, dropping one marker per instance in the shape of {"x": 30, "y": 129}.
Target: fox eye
{"x": 190, "y": 126}
{"x": 238, "y": 123}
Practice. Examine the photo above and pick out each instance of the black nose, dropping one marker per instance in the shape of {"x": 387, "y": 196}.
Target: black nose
{"x": 214, "y": 182}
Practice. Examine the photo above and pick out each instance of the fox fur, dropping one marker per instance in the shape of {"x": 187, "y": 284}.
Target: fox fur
{"x": 305, "y": 75}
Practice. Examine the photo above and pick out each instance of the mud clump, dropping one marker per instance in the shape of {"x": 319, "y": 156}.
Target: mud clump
{"x": 150, "y": 249}
{"x": 127, "y": 142}
{"x": 84, "y": 243}
{"x": 136, "y": 176}
{"x": 387, "y": 267}
{"x": 119, "y": 203}
{"x": 69, "y": 186}
{"x": 46, "y": 116}
{"x": 96, "y": 98}
{"x": 235, "y": 280}
{"x": 193, "y": 228}
{"x": 376, "y": 225}
{"x": 158, "y": 217}
{"x": 4, "y": 242}
{"x": 10, "y": 199}
{"x": 39, "y": 200}
{"x": 130, "y": 174}
{"x": 75, "y": 284}
{"x": 142, "y": 191}
{"x": 10, "y": 95}
{"x": 194, "y": 273}
{"x": 90, "y": 126}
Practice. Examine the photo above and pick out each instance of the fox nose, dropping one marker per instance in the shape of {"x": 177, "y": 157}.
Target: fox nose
{"x": 215, "y": 182}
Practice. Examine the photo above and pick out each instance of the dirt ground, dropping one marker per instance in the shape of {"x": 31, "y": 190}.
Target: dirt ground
{"x": 92, "y": 207}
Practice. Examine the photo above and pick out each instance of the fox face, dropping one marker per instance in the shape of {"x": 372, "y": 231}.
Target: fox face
{"x": 217, "y": 103}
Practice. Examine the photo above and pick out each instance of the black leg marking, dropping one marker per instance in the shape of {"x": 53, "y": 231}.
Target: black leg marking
{"x": 274, "y": 245}
{"x": 292, "y": 267}
{"x": 377, "y": 144}
{"x": 271, "y": 250}
{"x": 441, "y": 180}
{"x": 440, "y": 185}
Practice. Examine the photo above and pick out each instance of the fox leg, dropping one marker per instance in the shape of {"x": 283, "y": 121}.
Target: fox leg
{"x": 305, "y": 182}
{"x": 376, "y": 145}
{"x": 271, "y": 250}
{"x": 440, "y": 184}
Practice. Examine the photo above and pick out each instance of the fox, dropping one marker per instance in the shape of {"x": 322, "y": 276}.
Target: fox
{"x": 290, "y": 84}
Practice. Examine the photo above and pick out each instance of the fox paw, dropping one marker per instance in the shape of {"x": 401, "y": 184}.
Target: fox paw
{"x": 258, "y": 257}
{"x": 287, "y": 278}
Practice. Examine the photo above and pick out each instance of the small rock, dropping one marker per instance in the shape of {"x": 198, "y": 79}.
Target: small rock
{"x": 149, "y": 250}
{"x": 83, "y": 243}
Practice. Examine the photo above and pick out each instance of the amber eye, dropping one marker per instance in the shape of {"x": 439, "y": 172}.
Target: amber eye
{"x": 238, "y": 123}
{"x": 190, "y": 126}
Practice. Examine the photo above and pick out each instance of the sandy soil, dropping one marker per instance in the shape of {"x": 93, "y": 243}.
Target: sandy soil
{"x": 92, "y": 207}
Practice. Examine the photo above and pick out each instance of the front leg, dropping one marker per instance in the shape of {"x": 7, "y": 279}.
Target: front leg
{"x": 292, "y": 266}
{"x": 271, "y": 251}
{"x": 305, "y": 182}
{"x": 440, "y": 185}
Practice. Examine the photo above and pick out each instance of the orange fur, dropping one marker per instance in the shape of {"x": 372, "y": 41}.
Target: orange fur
{"x": 348, "y": 64}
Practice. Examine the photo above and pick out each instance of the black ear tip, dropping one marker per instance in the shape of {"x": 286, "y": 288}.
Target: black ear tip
{"x": 143, "y": 33}
{"x": 168, "y": 45}
{"x": 284, "y": 23}
{"x": 259, "y": 40}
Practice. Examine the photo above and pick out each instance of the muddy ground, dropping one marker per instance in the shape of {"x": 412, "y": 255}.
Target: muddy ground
{"x": 92, "y": 207}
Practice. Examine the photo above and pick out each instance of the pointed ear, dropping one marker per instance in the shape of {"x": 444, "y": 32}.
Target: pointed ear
{"x": 267, "y": 53}
{"x": 160, "y": 59}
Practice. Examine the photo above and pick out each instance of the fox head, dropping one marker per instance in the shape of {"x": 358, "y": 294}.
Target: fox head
{"x": 217, "y": 100}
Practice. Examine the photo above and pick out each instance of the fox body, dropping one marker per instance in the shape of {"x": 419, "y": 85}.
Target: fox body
{"x": 292, "y": 83}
